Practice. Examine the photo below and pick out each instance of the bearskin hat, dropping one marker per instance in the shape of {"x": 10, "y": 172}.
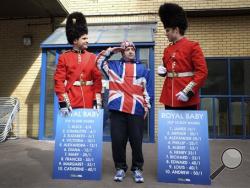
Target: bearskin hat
{"x": 173, "y": 15}
{"x": 76, "y": 26}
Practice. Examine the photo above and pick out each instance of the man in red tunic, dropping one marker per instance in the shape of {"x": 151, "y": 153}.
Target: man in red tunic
{"x": 184, "y": 65}
{"x": 77, "y": 79}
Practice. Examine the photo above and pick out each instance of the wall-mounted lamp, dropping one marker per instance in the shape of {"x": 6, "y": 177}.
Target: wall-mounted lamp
{"x": 27, "y": 40}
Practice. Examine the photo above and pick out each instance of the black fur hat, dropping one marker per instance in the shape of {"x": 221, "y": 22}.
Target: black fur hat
{"x": 173, "y": 15}
{"x": 76, "y": 26}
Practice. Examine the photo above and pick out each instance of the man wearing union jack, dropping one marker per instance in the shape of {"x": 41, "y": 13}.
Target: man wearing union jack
{"x": 130, "y": 93}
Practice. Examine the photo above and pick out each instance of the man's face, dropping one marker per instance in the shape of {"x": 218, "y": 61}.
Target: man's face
{"x": 171, "y": 34}
{"x": 82, "y": 42}
{"x": 129, "y": 53}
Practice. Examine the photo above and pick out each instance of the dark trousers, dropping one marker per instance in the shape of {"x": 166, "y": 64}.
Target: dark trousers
{"x": 193, "y": 107}
{"x": 126, "y": 127}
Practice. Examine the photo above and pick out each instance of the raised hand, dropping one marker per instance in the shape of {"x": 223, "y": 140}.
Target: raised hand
{"x": 116, "y": 49}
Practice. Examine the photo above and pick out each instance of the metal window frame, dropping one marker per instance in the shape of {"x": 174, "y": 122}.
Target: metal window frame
{"x": 229, "y": 97}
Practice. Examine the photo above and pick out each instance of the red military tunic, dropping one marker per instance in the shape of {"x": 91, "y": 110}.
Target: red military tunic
{"x": 183, "y": 56}
{"x": 80, "y": 96}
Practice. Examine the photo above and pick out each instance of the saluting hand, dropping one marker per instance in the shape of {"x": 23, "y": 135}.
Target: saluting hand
{"x": 115, "y": 49}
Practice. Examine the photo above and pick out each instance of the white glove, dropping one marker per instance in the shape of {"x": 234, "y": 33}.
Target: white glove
{"x": 65, "y": 108}
{"x": 181, "y": 96}
{"x": 97, "y": 105}
{"x": 65, "y": 111}
{"x": 98, "y": 101}
{"x": 146, "y": 112}
{"x": 162, "y": 71}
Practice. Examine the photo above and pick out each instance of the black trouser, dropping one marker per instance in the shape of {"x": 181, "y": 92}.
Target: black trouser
{"x": 123, "y": 127}
{"x": 193, "y": 107}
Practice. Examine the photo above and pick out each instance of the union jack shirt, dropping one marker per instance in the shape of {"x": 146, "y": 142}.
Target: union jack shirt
{"x": 130, "y": 89}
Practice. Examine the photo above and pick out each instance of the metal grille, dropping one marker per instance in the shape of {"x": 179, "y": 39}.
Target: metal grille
{"x": 9, "y": 108}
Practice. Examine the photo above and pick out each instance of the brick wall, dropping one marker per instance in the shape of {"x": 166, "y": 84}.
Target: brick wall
{"x": 20, "y": 68}
{"x": 100, "y": 7}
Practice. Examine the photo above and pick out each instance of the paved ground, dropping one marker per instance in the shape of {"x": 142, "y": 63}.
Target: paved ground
{"x": 27, "y": 163}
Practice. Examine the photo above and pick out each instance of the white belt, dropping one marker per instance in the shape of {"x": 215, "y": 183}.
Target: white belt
{"x": 179, "y": 74}
{"x": 83, "y": 83}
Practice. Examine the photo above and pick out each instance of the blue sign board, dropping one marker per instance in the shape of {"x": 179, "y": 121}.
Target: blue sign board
{"x": 183, "y": 148}
{"x": 78, "y": 145}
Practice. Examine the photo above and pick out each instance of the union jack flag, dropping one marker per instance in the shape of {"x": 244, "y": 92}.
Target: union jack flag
{"x": 129, "y": 85}
{"x": 126, "y": 87}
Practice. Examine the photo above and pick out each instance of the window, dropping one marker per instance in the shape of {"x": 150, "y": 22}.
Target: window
{"x": 226, "y": 97}
{"x": 240, "y": 77}
{"x": 246, "y": 118}
{"x": 49, "y": 102}
{"x": 217, "y": 81}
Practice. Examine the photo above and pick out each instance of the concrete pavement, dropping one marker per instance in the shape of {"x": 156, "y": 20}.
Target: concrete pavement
{"x": 27, "y": 163}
